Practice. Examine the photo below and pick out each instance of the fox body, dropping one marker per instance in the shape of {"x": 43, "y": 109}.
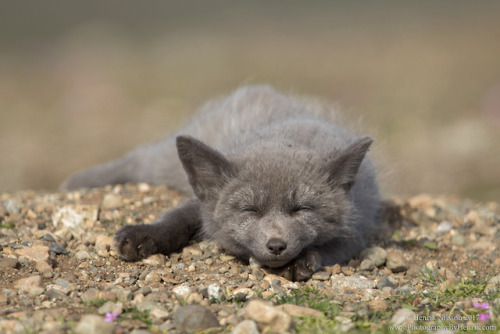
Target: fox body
{"x": 269, "y": 178}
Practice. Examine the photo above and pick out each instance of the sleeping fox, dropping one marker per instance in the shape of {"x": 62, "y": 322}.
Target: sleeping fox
{"x": 269, "y": 177}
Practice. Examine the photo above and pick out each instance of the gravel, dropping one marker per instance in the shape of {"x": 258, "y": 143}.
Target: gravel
{"x": 59, "y": 272}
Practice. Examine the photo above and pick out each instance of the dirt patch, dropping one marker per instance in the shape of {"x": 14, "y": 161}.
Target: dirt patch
{"x": 59, "y": 272}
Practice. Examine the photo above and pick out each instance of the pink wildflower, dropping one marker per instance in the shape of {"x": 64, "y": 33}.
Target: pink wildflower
{"x": 110, "y": 317}
{"x": 483, "y": 306}
{"x": 484, "y": 316}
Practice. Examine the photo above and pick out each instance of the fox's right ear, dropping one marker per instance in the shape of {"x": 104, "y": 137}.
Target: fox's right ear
{"x": 207, "y": 169}
{"x": 345, "y": 166}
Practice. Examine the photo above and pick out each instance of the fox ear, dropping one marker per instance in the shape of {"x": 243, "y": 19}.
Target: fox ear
{"x": 345, "y": 166}
{"x": 206, "y": 168}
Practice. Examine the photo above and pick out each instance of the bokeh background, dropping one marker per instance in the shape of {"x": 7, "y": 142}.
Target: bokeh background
{"x": 82, "y": 82}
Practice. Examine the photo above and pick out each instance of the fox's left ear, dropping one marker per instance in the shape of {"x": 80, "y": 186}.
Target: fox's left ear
{"x": 207, "y": 169}
{"x": 345, "y": 165}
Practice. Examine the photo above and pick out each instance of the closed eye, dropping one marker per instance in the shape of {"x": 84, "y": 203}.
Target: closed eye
{"x": 251, "y": 209}
{"x": 302, "y": 208}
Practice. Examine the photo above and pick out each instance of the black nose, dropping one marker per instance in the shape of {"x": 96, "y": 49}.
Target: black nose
{"x": 276, "y": 246}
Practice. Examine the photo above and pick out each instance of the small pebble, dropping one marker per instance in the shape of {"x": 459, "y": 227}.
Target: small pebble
{"x": 8, "y": 263}
{"x": 396, "y": 261}
{"x": 215, "y": 292}
{"x": 83, "y": 255}
{"x": 376, "y": 255}
{"x": 351, "y": 282}
{"x": 12, "y": 207}
{"x": 246, "y": 327}
{"x": 367, "y": 265}
{"x": 321, "y": 275}
{"x": 48, "y": 237}
{"x": 267, "y": 317}
{"x": 385, "y": 282}
{"x": 444, "y": 226}
{"x": 58, "y": 249}
{"x": 403, "y": 317}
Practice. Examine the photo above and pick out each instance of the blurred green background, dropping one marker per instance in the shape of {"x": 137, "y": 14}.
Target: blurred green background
{"x": 82, "y": 82}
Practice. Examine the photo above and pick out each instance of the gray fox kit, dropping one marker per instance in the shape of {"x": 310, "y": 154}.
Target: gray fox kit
{"x": 269, "y": 178}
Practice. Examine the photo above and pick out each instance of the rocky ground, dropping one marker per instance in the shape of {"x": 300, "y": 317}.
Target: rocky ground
{"x": 437, "y": 269}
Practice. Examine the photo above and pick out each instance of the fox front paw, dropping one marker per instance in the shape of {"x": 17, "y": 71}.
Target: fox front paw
{"x": 135, "y": 242}
{"x": 300, "y": 269}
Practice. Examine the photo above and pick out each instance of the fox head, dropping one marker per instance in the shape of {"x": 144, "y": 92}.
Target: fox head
{"x": 272, "y": 202}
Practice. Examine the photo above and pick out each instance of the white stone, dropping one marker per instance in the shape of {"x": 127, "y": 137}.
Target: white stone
{"x": 444, "y": 226}
{"x": 76, "y": 217}
{"x": 215, "y": 292}
{"x": 182, "y": 290}
{"x": 403, "y": 317}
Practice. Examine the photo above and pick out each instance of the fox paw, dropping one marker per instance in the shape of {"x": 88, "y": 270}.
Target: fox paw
{"x": 135, "y": 242}
{"x": 300, "y": 269}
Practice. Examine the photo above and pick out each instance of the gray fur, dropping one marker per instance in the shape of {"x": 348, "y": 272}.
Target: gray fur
{"x": 270, "y": 179}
